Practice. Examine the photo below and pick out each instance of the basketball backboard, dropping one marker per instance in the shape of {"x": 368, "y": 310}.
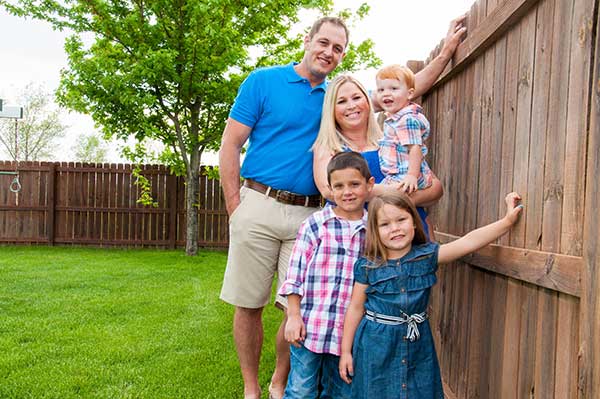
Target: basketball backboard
{"x": 11, "y": 112}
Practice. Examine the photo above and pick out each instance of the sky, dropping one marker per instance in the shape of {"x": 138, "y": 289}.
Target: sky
{"x": 31, "y": 52}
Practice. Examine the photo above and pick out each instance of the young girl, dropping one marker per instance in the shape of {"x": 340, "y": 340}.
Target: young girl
{"x": 387, "y": 346}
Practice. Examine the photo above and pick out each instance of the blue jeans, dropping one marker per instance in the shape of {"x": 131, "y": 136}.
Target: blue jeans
{"x": 308, "y": 369}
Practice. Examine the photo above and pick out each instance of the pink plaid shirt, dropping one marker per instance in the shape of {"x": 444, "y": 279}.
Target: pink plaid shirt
{"x": 321, "y": 271}
{"x": 406, "y": 127}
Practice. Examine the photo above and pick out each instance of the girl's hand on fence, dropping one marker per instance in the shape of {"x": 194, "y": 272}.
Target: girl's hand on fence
{"x": 295, "y": 330}
{"x": 513, "y": 209}
{"x": 346, "y": 367}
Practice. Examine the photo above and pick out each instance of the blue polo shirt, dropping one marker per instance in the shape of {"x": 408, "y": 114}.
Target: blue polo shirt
{"x": 284, "y": 112}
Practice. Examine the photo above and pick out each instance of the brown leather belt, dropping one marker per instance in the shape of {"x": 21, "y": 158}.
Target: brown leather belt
{"x": 283, "y": 196}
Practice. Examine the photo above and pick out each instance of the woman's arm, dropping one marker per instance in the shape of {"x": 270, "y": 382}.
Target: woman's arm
{"x": 354, "y": 314}
{"x": 429, "y": 196}
{"x": 321, "y": 158}
{"x": 424, "y": 198}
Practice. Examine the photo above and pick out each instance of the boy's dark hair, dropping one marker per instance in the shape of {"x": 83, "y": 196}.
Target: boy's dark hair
{"x": 348, "y": 160}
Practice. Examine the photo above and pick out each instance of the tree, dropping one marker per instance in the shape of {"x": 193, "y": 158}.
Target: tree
{"x": 90, "y": 148}
{"x": 37, "y": 132}
{"x": 170, "y": 69}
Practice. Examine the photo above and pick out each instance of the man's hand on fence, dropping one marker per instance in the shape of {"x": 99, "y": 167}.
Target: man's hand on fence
{"x": 456, "y": 31}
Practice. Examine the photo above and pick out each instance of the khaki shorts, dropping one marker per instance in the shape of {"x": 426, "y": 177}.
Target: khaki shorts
{"x": 262, "y": 233}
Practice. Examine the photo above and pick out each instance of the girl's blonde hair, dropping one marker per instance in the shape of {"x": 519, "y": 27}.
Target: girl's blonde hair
{"x": 330, "y": 136}
{"x": 375, "y": 251}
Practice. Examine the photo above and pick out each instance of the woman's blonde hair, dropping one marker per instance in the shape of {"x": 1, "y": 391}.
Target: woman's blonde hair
{"x": 375, "y": 251}
{"x": 330, "y": 136}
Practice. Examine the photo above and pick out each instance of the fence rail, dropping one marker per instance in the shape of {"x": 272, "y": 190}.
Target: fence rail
{"x": 95, "y": 204}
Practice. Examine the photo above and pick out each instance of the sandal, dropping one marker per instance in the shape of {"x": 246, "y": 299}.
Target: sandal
{"x": 272, "y": 395}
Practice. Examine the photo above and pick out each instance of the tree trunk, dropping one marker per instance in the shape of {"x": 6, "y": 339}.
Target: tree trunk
{"x": 191, "y": 204}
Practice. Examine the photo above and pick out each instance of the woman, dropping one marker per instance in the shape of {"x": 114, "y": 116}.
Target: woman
{"x": 348, "y": 123}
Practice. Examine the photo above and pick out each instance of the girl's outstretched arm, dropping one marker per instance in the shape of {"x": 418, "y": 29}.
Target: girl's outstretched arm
{"x": 482, "y": 236}
{"x": 354, "y": 314}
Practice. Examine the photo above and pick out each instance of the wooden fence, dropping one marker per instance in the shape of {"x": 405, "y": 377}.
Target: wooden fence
{"x": 519, "y": 110}
{"x": 95, "y": 204}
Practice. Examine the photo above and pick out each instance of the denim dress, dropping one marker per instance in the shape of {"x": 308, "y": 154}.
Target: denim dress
{"x": 387, "y": 364}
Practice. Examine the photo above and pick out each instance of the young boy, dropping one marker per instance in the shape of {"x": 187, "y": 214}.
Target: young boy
{"x": 402, "y": 150}
{"x": 320, "y": 278}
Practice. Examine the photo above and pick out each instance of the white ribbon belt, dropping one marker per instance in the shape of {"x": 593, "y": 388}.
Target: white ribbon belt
{"x": 412, "y": 332}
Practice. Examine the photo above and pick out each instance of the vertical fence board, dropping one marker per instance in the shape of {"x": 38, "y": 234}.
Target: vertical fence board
{"x": 539, "y": 116}
{"x": 162, "y": 203}
{"x": 498, "y": 285}
{"x": 458, "y": 167}
{"x": 476, "y": 283}
{"x": 4, "y": 190}
{"x": 203, "y": 219}
{"x": 482, "y": 309}
{"x": 77, "y": 201}
{"x": 119, "y": 215}
{"x": 566, "y": 347}
{"x": 463, "y": 280}
{"x": 172, "y": 190}
{"x": 127, "y": 203}
{"x": 38, "y": 200}
{"x": 181, "y": 212}
{"x": 112, "y": 203}
{"x": 527, "y": 336}
{"x": 443, "y": 137}
{"x": 50, "y": 203}
{"x": 589, "y": 372}
{"x": 547, "y": 300}
{"x": 579, "y": 78}
{"x": 85, "y": 197}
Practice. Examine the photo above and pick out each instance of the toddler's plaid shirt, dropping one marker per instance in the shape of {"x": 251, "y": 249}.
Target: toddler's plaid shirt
{"x": 406, "y": 127}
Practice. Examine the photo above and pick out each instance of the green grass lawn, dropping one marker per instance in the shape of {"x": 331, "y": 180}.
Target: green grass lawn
{"x": 115, "y": 323}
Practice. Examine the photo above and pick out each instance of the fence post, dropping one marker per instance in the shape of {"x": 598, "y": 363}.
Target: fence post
{"x": 172, "y": 188}
{"x": 416, "y": 66}
{"x": 50, "y": 204}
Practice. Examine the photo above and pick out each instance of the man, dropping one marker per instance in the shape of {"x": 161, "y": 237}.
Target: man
{"x": 278, "y": 109}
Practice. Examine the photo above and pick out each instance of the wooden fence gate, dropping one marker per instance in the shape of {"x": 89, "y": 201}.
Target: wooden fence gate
{"x": 519, "y": 110}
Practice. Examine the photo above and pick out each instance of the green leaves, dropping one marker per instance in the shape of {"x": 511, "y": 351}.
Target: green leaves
{"x": 169, "y": 70}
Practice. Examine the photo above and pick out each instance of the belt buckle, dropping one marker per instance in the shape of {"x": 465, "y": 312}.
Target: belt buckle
{"x": 374, "y": 316}
{"x": 284, "y": 196}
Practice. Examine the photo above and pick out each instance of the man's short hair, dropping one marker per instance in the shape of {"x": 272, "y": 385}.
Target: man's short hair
{"x": 348, "y": 160}
{"x": 329, "y": 20}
